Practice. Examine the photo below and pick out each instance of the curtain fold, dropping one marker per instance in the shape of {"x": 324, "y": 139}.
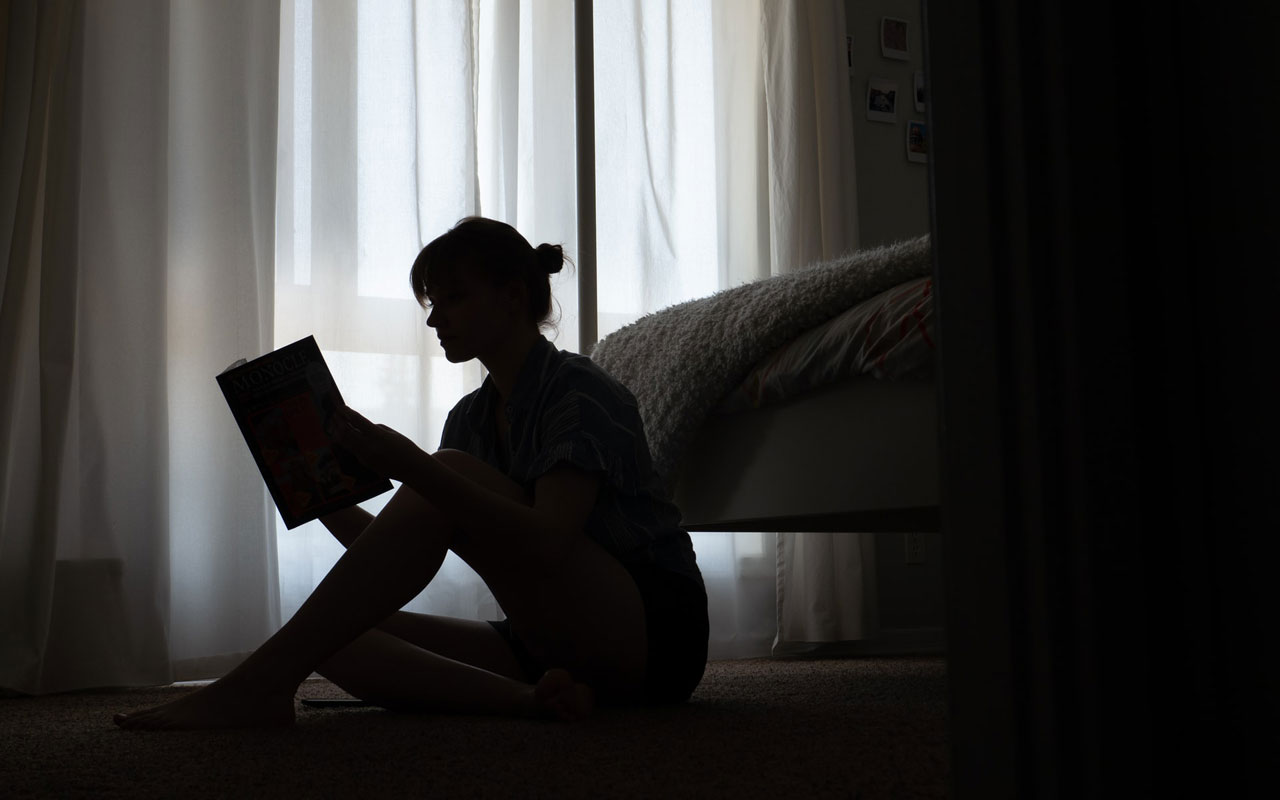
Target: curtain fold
{"x": 682, "y": 211}
{"x": 37, "y": 322}
{"x": 136, "y": 546}
{"x": 218, "y": 270}
{"x": 826, "y": 587}
{"x": 812, "y": 181}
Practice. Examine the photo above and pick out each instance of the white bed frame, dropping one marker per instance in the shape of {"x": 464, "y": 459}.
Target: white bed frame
{"x": 858, "y": 456}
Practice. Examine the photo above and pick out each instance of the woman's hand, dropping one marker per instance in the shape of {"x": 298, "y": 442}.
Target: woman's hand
{"x": 382, "y": 449}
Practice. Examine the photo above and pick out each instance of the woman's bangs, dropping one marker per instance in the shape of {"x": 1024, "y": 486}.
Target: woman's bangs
{"x": 435, "y": 270}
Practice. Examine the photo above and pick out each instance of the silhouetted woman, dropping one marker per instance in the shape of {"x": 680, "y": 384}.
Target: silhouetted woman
{"x": 543, "y": 485}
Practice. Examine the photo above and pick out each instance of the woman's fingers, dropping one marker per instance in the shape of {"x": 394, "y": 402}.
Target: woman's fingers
{"x": 348, "y": 424}
{"x": 346, "y": 429}
{"x": 354, "y": 418}
{"x": 362, "y": 438}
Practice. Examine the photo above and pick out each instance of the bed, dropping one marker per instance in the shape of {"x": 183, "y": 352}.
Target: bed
{"x": 803, "y": 402}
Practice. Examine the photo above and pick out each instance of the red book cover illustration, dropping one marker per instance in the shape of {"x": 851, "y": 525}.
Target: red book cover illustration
{"x": 282, "y": 402}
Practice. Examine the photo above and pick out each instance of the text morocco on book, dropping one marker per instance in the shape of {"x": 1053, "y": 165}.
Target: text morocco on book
{"x": 283, "y": 403}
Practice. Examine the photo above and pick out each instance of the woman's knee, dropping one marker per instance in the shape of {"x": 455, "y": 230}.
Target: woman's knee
{"x": 412, "y": 520}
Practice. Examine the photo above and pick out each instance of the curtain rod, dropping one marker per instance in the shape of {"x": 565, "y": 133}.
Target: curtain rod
{"x": 584, "y": 84}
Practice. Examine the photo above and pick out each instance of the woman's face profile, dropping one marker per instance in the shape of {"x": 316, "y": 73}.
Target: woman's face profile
{"x": 471, "y": 316}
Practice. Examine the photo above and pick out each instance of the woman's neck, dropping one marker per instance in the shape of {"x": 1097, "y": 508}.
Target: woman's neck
{"x": 504, "y": 366}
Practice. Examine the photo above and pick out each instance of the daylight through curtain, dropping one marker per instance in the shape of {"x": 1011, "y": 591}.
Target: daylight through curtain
{"x": 397, "y": 119}
{"x": 467, "y": 107}
{"x": 185, "y": 183}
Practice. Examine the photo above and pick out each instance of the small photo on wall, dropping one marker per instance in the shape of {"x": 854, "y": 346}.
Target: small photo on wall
{"x": 882, "y": 100}
{"x": 893, "y": 39}
{"x": 919, "y": 94}
{"x": 917, "y": 141}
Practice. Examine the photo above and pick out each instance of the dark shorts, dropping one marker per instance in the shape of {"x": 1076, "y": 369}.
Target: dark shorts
{"x": 676, "y": 622}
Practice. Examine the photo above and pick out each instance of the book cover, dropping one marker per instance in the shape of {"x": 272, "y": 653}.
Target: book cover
{"x": 283, "y": 402}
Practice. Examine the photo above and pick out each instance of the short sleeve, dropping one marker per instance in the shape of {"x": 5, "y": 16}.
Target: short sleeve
{"x": 460, "y": 434}
{"x": 456, "y": 434}
{"x": 595, "y": 434}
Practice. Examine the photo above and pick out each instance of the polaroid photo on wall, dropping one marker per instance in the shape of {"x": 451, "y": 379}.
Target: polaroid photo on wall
{"x": 917, "y": 141}
{"x": 919, "y": 92}
{"x": 882, "y": 100}
{"x": 893, "y": 39}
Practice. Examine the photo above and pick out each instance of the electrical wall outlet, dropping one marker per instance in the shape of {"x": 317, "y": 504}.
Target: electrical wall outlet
{"x": 915, "y": 548}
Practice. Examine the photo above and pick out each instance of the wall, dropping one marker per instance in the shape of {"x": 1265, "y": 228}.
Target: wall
{"x": 893, "y": 204}
{"x": 893, "y": 197}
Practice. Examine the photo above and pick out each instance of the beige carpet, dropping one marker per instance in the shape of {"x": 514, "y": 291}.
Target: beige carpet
{"x": 873, "y": 727}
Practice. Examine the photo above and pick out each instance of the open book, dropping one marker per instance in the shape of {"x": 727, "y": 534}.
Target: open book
{"x": 283, "y": 403}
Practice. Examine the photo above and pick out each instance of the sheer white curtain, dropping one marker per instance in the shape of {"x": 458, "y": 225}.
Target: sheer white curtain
{"x": 724, "y": 154}
{"x": 397, "y": 119}
{"x": 826, "y": 581}
{"x": 725, "y": 149}
{"x": 682, "y": 147}
{"x": 186, "y": 183}
{"x": 138, "y": 170}
{"x": 467, "y": 107}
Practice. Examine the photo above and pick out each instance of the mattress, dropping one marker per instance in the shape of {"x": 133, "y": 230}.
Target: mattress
{"x": 890, "y": 336}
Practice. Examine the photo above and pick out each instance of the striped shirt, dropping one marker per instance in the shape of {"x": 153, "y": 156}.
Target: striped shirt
{"x": 565, "y": 409}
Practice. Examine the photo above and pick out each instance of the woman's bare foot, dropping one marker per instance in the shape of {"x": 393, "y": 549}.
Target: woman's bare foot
{"x": 559, "y": 695}
{"x": 218, "y": 705}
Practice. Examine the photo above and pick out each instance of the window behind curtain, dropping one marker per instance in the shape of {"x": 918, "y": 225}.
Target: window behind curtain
{"x": 398, "y": 118}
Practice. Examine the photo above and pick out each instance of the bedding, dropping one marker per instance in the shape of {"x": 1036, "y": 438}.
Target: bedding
{"x": 682, "y": 361}
{"x": 888, "y": 337}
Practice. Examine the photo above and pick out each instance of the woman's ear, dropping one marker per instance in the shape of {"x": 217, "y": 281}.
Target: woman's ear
{"x": 515, "y": 296}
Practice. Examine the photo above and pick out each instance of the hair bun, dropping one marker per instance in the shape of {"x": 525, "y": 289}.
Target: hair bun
{"x": 550, "y": 257}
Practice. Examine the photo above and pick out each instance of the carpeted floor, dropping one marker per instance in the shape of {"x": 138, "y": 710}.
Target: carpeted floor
{"x": 867, "y": 728}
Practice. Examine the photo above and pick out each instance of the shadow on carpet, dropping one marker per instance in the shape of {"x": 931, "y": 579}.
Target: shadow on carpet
{"x": 870, "y": 727}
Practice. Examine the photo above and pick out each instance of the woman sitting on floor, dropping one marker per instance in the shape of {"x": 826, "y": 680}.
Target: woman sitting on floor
{"x": 543, "y": 485}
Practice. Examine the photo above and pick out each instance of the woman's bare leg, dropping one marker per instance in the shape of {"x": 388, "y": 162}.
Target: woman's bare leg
{"x": 468, "y": 641}
{"x": 389, "y": 563}
{"x": 392, "y": 672}
{"x": 577, "y": 607}
{"x": 389, "y": 673}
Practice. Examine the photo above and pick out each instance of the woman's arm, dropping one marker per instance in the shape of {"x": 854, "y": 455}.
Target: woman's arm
{"x": 558, "y": 510}
{"x": 347, "y": 525}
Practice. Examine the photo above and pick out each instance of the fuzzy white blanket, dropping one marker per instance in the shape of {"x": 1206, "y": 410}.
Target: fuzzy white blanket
{"x": 681, "y": 361}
